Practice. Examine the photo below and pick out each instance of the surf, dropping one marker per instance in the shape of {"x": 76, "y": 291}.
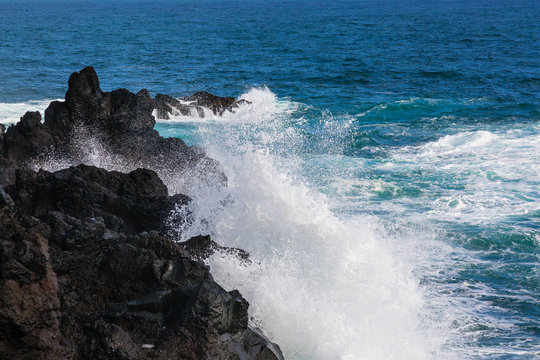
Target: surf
{"x": 322, "y": 285}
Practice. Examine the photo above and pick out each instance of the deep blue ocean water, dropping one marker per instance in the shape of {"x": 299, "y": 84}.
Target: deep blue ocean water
{"x": 394, "y": 144}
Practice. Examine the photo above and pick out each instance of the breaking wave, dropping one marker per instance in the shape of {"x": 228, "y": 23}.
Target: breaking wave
{"x": 321, "y": 285}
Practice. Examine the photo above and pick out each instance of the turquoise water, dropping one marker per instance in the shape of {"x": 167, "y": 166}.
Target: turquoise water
{"x": 386, "y": 177}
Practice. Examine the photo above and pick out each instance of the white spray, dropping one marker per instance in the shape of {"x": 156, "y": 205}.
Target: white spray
{"x": 321, "y": 286}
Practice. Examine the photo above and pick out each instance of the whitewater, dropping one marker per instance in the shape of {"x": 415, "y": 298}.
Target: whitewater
{"x": 335, "y": 274}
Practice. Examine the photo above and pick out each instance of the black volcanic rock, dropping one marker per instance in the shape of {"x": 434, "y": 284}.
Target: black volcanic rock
{"x": 85, "y": 269}
{"x": 116, "y": 112}
{"x": 30, "y": 313}
{"x": 81, "y": 246}
{"x": 215, "y": 103}
{"x": 167, "y": 105}
{"x": 120, "y": 120}
{"x": 26, "y": 139}
{"x": 202, "y": 247}
{"x": 135, "y": 202}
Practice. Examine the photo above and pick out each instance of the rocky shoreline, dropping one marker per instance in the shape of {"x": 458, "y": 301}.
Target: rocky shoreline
{"x": 86, "y": 268}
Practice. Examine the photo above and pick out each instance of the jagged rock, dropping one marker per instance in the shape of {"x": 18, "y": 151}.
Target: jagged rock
{"x": 29, "y": 305}
{"x": 5, "y": 199}
{"x": 85, "y": 271}
{"x": 215, "y": 103}
{"x": 26, "y": 139}
{"x": 116, "y": 112}
{"x": 135, "y": 202}
{"x": 120, "y": 120}
{"x": 112, "y": 342}
{"x": 113, "y": 282}
{"x": 167, "y": 105}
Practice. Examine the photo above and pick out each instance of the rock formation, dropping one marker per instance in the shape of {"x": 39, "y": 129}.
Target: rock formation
{"x": 121, "y": 120}
{"x": 86, "y": 269}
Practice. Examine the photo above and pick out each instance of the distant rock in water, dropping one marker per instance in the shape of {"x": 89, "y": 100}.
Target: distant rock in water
{"x": 166, "y": 105}
{"x": 86, "y": 269}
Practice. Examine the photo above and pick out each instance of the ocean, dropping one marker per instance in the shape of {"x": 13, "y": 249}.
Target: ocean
{"x": 385, "y": 177}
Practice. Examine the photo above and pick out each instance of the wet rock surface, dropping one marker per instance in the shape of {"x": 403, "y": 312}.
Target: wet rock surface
{"x": 86, "y": 269}
{"x": 194, "y": 105}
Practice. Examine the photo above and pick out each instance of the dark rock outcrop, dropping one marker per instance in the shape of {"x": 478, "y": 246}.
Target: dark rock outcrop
{"x": 86, "y": 275}
{"x": 27, "y": 138}
{"x": 137, "y": 201}
{"x": 30, "y": 312}
{"x": 86, "y": 271}
{"x": 115, "y": 113}
{"x": 120, "y": 120}
{"x": 166, "y": 105}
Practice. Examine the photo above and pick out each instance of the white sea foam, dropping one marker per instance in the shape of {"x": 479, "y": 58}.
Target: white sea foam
{"x": 322, "y": 286}
{"x": 11, "y": 113}
{"x": 485, "y": 177}
{"x": 493, "y": 174}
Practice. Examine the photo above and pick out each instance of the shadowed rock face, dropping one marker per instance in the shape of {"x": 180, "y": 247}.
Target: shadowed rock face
{"x": 86, "y": 275}
{"x": 132, "y": 202}
{"x": 86, "y": 271}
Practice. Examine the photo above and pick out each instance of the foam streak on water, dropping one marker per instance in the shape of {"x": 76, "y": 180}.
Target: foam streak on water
{"x": 499, "y": 173}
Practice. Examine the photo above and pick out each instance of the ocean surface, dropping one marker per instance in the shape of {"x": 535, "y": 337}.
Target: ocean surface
{"x": 385, "y": 177}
